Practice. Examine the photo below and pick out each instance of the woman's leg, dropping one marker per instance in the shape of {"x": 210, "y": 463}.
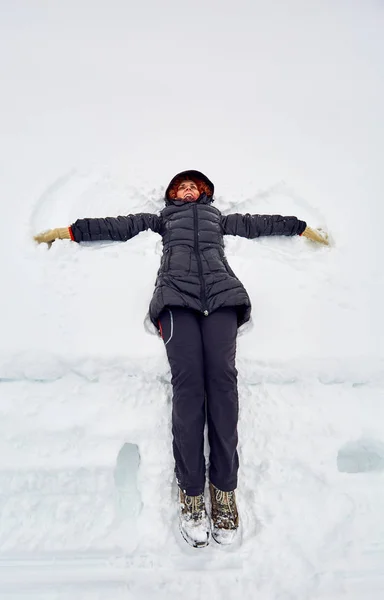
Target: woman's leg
{"x": 219, "y": 331}
{"x": 180, "y": 329}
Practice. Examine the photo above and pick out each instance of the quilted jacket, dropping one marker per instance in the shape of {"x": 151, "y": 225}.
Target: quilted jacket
{"x": 194, "y": 271}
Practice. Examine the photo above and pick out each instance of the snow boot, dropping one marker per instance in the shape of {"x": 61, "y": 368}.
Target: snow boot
{"x": 225, "y": 518}
{"x": 193, "y": 520}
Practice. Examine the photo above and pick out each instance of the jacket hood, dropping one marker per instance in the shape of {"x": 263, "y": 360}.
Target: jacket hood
{"x": 194, "y": 175}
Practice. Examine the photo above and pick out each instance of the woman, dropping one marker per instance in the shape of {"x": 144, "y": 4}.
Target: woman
{"x": 197, "y": 306}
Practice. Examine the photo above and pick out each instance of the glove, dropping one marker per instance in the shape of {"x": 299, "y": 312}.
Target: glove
{"x": 61, "y": 233}
{"x": 316, "y": 235}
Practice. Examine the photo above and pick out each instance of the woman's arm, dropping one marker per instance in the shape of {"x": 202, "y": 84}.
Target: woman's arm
{"x": 110, "y": 228}
{"x": 253, "y": 226}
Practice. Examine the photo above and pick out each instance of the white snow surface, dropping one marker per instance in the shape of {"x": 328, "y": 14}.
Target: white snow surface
{"x": 281, "y": 105}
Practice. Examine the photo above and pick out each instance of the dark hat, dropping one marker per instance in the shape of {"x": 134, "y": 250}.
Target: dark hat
{"x": 204, "y": 185}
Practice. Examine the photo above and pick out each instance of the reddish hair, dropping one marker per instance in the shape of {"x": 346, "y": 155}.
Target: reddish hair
{"x": 201, "y": 186}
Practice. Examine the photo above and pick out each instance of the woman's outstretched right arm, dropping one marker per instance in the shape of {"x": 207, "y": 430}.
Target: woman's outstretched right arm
{"x": 118, "y": 229}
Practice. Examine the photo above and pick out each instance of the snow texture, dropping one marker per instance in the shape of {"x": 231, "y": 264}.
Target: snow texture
{"x": 281, "y": 105}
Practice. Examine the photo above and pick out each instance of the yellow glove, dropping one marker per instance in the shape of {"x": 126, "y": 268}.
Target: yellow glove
{"x": 61, "y": 233}
{"x": 316, "y": 235}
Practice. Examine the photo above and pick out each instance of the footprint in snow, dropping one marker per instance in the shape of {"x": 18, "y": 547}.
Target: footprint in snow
{"x": 361, "y": 456}
{"x": 125, "y": 476}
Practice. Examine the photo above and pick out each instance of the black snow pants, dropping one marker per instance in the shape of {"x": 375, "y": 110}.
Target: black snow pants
{"x": 201, "y": 352}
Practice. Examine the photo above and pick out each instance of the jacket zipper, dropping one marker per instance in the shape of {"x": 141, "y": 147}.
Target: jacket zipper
{"x": 199, "y": 263}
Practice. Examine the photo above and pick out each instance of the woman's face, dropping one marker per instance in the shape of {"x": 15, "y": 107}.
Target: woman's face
{"x": 187, "y": 191}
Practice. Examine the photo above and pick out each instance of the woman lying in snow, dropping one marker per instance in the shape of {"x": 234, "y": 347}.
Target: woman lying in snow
{"x": 197, "y": 306}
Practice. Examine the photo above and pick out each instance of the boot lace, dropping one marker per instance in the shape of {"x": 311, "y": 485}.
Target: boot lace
{"x": 224, "y": 509}
{"x": 194, "y": 507}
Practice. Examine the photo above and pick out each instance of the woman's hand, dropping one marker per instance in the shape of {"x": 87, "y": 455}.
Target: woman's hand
{"x": 316, "y": 235}
{"x": 60, "y": 233}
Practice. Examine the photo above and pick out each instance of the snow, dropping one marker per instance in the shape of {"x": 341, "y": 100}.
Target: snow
{"x": 281, "y": 105}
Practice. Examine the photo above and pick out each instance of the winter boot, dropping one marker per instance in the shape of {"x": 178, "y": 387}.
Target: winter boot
{"x": 225, "y": 518}
{"x": 193, "y": 520}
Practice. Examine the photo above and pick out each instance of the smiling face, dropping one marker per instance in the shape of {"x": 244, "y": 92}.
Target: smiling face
{"x": 187, "y": 191}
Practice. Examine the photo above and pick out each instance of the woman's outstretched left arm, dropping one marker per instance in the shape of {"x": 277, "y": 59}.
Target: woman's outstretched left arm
{"x": 253, "y": 226}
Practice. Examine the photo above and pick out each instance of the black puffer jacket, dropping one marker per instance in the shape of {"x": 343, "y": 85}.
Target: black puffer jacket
{"x": 194, "y": 271}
